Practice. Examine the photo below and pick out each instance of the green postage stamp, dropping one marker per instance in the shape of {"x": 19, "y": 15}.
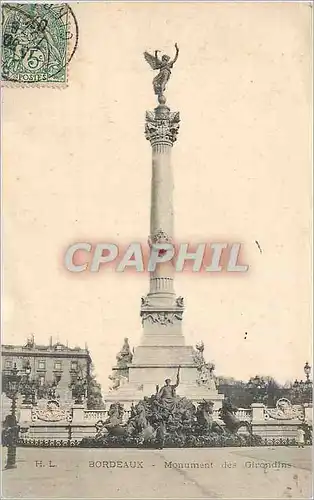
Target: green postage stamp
{"x": 38, "y": 42}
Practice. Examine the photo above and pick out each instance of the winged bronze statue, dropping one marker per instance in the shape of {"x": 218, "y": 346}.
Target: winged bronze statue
{"x": 165, "y": 64}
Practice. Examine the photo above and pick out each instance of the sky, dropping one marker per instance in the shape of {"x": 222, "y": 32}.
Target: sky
{"x": 77, "y": 167}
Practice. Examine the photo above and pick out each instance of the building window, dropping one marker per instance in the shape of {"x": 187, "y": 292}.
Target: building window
{"x": 74, "y": 366}
{"x": 41, "y": 380}
{"x": 58, "y": 365}
{"x": 41, "y": 364}
{"x": 8, "y": 364}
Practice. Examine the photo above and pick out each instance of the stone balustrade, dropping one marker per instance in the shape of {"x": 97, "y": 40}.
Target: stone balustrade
{"x": 258, "y": 413}
{"x": 244, "y": 414}
{"x": 95, "y": 415}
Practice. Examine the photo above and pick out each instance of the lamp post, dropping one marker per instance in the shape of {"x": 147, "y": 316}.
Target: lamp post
{"x": 27, "y": 388}
{"x": 14, "y": 384}
{"x": 308, "y": 384}
{"x": 258, "y": 388}
{"x": 302, "y": 391}
{"x": 51, "y": 392}
{"x": 11, "y": 387}
{"x": 307, "y": 370}
{"x": 79, "y": 387}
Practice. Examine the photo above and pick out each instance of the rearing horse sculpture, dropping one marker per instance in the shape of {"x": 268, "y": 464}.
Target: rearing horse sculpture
{"x": 137, "y": 425}
{"x": 232, "y": 423}
{"x": 204, "y": 416}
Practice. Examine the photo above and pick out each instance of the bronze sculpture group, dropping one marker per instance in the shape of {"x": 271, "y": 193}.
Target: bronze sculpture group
{"x": 166, "y": 416}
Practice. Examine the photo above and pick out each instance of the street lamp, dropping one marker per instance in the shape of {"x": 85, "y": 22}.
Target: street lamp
{"x": 11, "y": 385}
{"x": 27, "y": 388}
{"x": 258, "y": 388}
{"x": 78, "y": 386}
{"x": 302, "y": 390}
{"x": 14, "y": 384}
{"x": 51, "y": 391}
{"x": 307, "y": 370}
{"x": 308, "y": 385}
{"x": 28, "y": 368}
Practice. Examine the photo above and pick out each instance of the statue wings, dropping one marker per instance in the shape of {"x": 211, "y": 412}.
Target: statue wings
{"x": 152, "y": 60}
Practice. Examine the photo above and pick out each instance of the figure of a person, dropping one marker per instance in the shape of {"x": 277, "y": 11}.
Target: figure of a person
{"x": 10, "y": 431}
{"x": 23, "y": 41}
{"x": 300, "y": 437}
{"x": 167, "y": 393}
{"x": 132, "y": 411}
{"x": 160, "y": 435}
{"x": 124, "y": 356}
{"x": 165, "y": 64}
{"x": 114, "y": 416}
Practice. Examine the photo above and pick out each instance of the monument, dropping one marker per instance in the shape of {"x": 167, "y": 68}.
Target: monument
{"x": 162, "y": 352}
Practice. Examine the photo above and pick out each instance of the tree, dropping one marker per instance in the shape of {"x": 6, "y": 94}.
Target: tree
{"x": 94, "y": 395}
{"x": 235, "y": 390}
{"x": 243, "y": 394}
{"x": 274, "y": 391}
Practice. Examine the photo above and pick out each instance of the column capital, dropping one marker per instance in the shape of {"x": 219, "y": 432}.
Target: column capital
{"x": 162, "y": 125}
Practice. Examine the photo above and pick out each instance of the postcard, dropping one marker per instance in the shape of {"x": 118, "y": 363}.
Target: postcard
{"x": 156, "y": 187}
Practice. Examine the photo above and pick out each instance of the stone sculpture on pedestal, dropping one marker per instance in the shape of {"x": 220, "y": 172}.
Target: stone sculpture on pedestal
{"x": 205, "y": 370}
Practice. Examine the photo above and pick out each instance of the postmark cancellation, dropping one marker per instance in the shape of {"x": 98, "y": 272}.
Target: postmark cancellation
{"x": 38, "y": 43}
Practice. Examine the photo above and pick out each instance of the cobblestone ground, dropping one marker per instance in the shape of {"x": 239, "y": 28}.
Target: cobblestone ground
{"x": 208, "y": 473}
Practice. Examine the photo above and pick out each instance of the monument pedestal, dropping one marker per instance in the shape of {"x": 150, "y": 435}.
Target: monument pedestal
{"x": 152, "y": 365}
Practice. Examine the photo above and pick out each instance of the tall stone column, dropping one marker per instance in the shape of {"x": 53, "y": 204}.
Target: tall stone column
{"x": 161, "y": 130}
{"x": 161, "y": 310}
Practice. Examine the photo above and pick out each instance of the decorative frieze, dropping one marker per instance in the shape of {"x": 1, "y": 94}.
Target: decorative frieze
{"x": 163, "y": 318}
{"x": 284, "y": 411}
{"x": 51, "y": 413}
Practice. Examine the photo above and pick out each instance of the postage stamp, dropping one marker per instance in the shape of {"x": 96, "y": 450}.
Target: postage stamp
{"x": 38, "y": 42}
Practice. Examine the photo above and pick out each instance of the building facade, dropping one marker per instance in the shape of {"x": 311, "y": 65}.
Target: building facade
{"x": 50, "y": 364}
